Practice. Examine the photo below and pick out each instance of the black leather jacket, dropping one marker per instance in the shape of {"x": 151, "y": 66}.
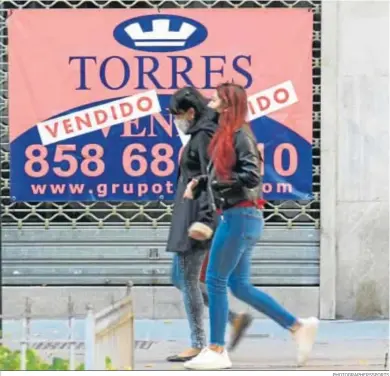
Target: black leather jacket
{"x": 246, "y": 181}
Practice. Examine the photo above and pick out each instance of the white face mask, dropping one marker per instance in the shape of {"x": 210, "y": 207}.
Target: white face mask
{"x": 182, "y": 124}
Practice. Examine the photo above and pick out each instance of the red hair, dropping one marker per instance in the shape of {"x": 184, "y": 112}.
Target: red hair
{"x": 232, "y": 117}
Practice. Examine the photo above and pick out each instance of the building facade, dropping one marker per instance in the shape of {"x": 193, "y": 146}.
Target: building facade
{"x": 327, "y": 256}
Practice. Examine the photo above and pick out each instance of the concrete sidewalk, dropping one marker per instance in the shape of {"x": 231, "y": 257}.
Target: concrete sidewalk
{"x": 341, "y": 345}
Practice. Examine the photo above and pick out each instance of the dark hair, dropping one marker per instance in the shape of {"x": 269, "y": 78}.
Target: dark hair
{"x": 184, "y": 99}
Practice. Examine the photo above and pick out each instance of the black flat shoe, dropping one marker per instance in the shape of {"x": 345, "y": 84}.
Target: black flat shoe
{"x": 177, "y": 358}
{"x": 239, "y": 329}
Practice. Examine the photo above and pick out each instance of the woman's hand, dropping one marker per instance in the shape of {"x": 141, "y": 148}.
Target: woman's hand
{"x": 197, "y": 235}
{"x": 188, "y": 193}
{"x": 200, "y": 231}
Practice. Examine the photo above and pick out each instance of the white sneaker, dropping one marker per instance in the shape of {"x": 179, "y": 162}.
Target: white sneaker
{"x": 209, "y": 360}
{"x": 305, "y": 337}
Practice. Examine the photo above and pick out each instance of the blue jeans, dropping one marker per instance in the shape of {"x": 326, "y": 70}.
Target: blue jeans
{"x": 237, "y": 233}
{"x": 185, "y": 276}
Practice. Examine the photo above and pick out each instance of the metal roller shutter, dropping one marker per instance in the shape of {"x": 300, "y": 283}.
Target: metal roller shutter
{"x": 109, "y": 256}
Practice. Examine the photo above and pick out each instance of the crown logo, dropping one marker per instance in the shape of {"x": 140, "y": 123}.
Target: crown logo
{"x": 160, "y": 36}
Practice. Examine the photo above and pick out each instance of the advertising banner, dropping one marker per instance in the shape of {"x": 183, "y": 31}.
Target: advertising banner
{"x": 89, "y": 92}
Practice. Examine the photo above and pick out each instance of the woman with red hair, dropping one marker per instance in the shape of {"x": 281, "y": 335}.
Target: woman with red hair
{"x": 193, "y": 222}
{"x": 234, "y": 185}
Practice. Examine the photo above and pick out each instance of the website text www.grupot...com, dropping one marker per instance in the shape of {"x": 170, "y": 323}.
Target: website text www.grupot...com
{"x": 103, "y": 190}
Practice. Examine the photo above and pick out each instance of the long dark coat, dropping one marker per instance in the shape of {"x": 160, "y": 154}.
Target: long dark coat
{"x": 194, "y": 162}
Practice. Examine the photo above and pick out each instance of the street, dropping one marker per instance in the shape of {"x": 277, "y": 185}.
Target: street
{"x": 341, "y": 345}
